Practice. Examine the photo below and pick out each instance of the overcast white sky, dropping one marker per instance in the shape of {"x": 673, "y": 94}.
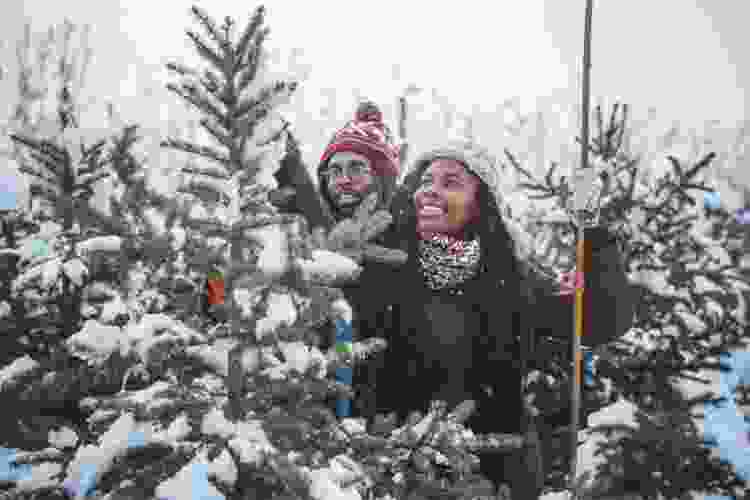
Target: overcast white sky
{"x": 684, "y": 56}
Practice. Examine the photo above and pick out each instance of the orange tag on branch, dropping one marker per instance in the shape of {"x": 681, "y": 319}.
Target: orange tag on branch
{"x": 215, "y": 289}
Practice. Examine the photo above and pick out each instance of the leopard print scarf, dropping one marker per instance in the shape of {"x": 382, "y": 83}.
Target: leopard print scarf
{"x": 447, "y": 262}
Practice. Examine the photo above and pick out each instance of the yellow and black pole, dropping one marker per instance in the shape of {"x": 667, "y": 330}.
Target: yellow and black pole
{"x": 580, "y": 201}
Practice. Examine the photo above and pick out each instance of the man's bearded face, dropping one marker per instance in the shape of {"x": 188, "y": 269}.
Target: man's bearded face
{"x": 349, "y": 179}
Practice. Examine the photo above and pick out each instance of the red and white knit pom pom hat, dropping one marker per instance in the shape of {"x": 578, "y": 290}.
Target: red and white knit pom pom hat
{"x": 368, "y": 136}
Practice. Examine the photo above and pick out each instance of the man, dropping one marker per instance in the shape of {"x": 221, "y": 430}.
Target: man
{"x": 361, "y": 159}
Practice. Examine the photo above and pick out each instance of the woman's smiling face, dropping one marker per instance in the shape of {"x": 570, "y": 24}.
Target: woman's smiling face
{"x": 447, "y": 198}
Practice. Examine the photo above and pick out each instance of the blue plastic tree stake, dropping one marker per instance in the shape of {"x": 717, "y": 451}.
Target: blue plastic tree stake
{"x": 743, "y": 216}
{"x": 725, "y": 427}
{"x": 9, "y": 471}
{"x": 8, "y": 193}
{"x": 200, "y": 483}
{"x": 344, "y": 375}
{"x": 711, "y": 200}
{"x": 588, "y": 368}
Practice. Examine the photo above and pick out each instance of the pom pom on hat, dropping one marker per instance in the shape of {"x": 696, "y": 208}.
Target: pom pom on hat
{"x": 368, "y": 111}
{"x": 366, "y": 134}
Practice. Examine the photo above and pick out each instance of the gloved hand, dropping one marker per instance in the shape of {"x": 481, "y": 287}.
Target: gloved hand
{"x": 352, "y": 237}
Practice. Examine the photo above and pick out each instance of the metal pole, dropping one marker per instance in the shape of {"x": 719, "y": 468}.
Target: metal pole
{"x": 402, "y": 130}
{"x": 580, "y": 253}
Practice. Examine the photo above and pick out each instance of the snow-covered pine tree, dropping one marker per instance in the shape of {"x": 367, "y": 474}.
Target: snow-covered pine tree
{"x": 690, "y": 309}
{"x": 17, "y": 226}
{"x": 66, "y": 173}
{"x": 168, "y": 435}
{"x": 234, "y": 110}
{"x": 144, "y": 219}
{"x": 51, "y": 274}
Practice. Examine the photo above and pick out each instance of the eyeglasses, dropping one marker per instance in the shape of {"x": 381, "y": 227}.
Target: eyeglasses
{"x": 355, "y": 170}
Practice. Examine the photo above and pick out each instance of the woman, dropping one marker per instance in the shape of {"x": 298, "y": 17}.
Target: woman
{"x": 466, "y": 298}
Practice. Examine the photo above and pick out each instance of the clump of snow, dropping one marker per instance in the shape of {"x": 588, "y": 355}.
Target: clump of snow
{"x": 98, "y": 290}
{"x": 246, "y": 299}
{"x": 76, "y": 270}
{"x": 198, "y": 212}
{"x": 638, "y": 338}
{"x": 49, "y": 230}
{"x": 157, "y": 330}
{"x": 273, "y": 258}
{"x": 216, "y": 356}
{"x": 50, "y": 272}
{"x": 45, "y": 273}
{"x": 151, "y": 324}
{"x": 5, "y": 309}
{"x": 95, "y": 342}
{"x": 342, "y": 309}
{"x": 179, "y": 237}
{"x": 190, "y": 482}
{"x": 215, "y": 424}
{"x": 223, "y": 469}
{"x": 149, "y": 393}
{"x": 19, "y": 367}
{"x": 65, "y": 437}
{"x": 42, "y": 476}
{"x": 113, "y": 309}
{"x": 354, "y": 425}
{"x": 248, "y": 453}
{"x": 620, "y": 413}
{"x": 280, "y": 311}
{"x": 324, "y": 487}
{"x": 248, "y": 438}
{"x": 298, "y": 356}
{"x": 91, "y": 462}
{"x": 692, "y": 322}
{"x": 177, "y": 431}
{"x": 327, "y": 268}
{"x": 100, "y": 244}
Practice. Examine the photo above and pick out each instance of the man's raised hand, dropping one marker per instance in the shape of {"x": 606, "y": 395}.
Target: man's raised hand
{"x": 353, "y": 236}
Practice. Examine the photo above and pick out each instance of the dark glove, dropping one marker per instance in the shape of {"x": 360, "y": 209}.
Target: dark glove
{"x": 600, "y": 237}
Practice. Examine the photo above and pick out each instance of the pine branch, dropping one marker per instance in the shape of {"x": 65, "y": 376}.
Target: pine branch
{"x": 49, "y": 156}
{"x": 207, "y": 52}
{"x": 191, "y": 94}
{"x": 204, "y": 151}
{"x": 34, "y": 173}
{"x": 212, "y": 81}
{"x": 249, "y": 33}
{"x": 218, "y": 132}
{"x": 253, "y": 109}
{"x": 209, "y": 25}
{"x": 216, "y": 173}
{"x": 182, "y": 70}
{"x": 253, "y": 60}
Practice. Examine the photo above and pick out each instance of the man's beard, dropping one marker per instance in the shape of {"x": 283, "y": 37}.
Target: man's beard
{"x": 346, "y": 203}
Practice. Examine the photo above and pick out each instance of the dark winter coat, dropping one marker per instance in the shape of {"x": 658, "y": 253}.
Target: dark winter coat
{"x": 305, "y": 200}
{"x": 457, "y": 347}
{"x": 452, "y": 347}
